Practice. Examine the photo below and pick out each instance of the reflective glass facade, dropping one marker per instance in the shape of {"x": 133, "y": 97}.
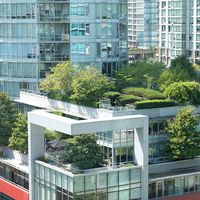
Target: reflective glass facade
{"x": 174, "y": 186}
{"x": 36, "y": 36}
{"x": 143, "y": 23}
{"x": 116, "y": 184}
{"x": 14, "y": 175}
{"x": 179, "y": 30}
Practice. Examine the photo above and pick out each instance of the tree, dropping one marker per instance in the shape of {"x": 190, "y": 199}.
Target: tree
{"x": 58, "y": 83}
{"x": 8, "y": 114}
{"x": 184, "y": 92}
{"x": 139, "y": 74}
{"x": 184, "y": 62}
{"x": 54, "y": 135}
{"x": 180, "y": 70}
{"x": 89, "y": 85}
{"x": 19, "y": 137}
{"x": 184, "y": 138}
{"x": 84, "y": 151}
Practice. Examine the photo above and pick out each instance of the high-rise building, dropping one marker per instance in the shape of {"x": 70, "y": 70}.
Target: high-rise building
{"x": 36, "y": 35}
{"x": 143, "y": 23}
{"x": 179, "y": 30}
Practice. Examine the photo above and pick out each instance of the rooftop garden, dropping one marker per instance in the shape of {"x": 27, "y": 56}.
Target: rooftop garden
{"x": 143, "y": 84}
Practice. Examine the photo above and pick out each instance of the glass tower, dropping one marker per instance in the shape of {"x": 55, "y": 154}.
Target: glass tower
{"x": 179, "y": 30}
{"x": 36, "y": 35}
{"x": 143, "y": 23}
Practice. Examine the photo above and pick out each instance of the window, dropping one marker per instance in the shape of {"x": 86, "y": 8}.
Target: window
{"x": 80, "y": 29}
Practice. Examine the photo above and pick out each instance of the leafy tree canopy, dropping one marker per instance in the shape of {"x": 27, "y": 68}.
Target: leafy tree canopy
{"x": 184, "y": 92}
{"x": 8, "y": 114}
{"x": 89, "y": 85}
{"x": 184, "y": 138}
{"x": 19, "y": 137}
{"x": 58, "y": 82}
{"x": 84, "y": 151}
{"x": 139, "y": 74}
{"x": 54, "y": 135}
{"x": 180, "y": 70}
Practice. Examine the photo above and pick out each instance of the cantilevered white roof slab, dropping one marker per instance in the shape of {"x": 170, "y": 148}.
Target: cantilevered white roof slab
{"x": 73, "y": 127}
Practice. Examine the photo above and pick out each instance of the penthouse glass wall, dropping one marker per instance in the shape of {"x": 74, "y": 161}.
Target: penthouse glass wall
{"x": 54, "y": 184}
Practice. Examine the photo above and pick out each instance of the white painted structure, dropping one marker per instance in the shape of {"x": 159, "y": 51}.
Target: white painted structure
{"x": 39, "y": 119}
{"x": 179, "y": 30}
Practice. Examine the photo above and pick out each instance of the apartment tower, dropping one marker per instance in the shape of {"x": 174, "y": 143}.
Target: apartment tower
{"x": 143, "y": 23}
{"x": 179, "y": 30}
{"x": 36, "y": 35}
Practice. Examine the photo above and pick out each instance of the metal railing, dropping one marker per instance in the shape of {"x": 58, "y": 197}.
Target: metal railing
{"x": 34, "y": 92}
{"x": 56, "y": 161}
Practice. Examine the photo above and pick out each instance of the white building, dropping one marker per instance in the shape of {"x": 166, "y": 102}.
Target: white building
{"x": 143, "y": 23}
{"x": 179, "y": 30}
{"x": 129, "y": 130}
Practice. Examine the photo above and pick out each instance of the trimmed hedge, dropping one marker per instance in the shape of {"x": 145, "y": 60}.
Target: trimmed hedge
{"x": 112, "y": 95}
{"x": 145, "y": 93}
{"x": 126, "y": 99}
{"x": 157, "y": 103}
{"x": 184, "y": 92}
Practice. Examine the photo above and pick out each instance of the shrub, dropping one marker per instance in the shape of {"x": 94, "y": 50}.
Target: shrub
{"x": 112, "y": 96}
{"x": 184, "y": 92}
{"x": 144, "y": 92}
{"x": 83, "y": 151}
{"x": 146, "y": 104}
{"x": 126, "y": 99}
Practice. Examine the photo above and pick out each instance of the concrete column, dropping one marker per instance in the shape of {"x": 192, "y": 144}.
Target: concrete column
{"x": 141, "y": 156}
{"x": 36, "y": 150}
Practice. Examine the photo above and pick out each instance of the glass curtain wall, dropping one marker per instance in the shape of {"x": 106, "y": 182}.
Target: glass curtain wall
{"x": 108, "y": 185}
{"x": 18, "y": 47}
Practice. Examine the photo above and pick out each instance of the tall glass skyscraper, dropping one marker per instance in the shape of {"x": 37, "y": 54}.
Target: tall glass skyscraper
{"x": 179, "y": 30}
{"x": 36, "y": 35}
{"x": 143, "y": 23}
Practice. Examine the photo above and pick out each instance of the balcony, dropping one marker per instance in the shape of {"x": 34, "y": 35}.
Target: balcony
{"x": 53, "y": 1}
{"x": 56, "y": 37}
{"x": 52, "y": 17}
{"x": 54, "y": 57}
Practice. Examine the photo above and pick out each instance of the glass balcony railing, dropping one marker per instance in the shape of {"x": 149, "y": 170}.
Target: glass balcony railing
{"x": 53, "y": 17}
{"x": 52, "y": 1}
{"x": 54, "y": 56}
{"x": 54, "y": 37}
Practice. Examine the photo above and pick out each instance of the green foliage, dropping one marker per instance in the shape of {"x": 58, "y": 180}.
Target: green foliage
{"x": 58, "y": 83}
{"x": 157, "y": 103}
{"x": 89, "y": 85}
{"x": 180, "y": 70}
{"x": 84, "y": 151}
{"x": 112, "y": 96}
{"x": 54, "y": 135}
{"x": 19, "y": 137}
{"x": 184, "y": 92}
{"x": 126, "y": 99}
{"x": 196, "y": 67}
{"x": 7, "y": 117}
{"x": 184, "y": 62}
{"x": 145, "y": 93}
{"x": 139, "y": 74}
{"x": 184, "y": 139}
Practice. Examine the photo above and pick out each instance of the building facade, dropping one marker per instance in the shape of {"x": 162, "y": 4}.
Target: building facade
{"x": 143, "y": 23}
{"x": 36, "y": 35}
{"x": 14, "y": 180}
{"x": 179, "y": 30}
{"x": 125, "y": 175}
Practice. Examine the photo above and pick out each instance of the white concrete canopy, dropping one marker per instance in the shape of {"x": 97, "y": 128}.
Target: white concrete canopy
{"x": 40, "y": 119}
